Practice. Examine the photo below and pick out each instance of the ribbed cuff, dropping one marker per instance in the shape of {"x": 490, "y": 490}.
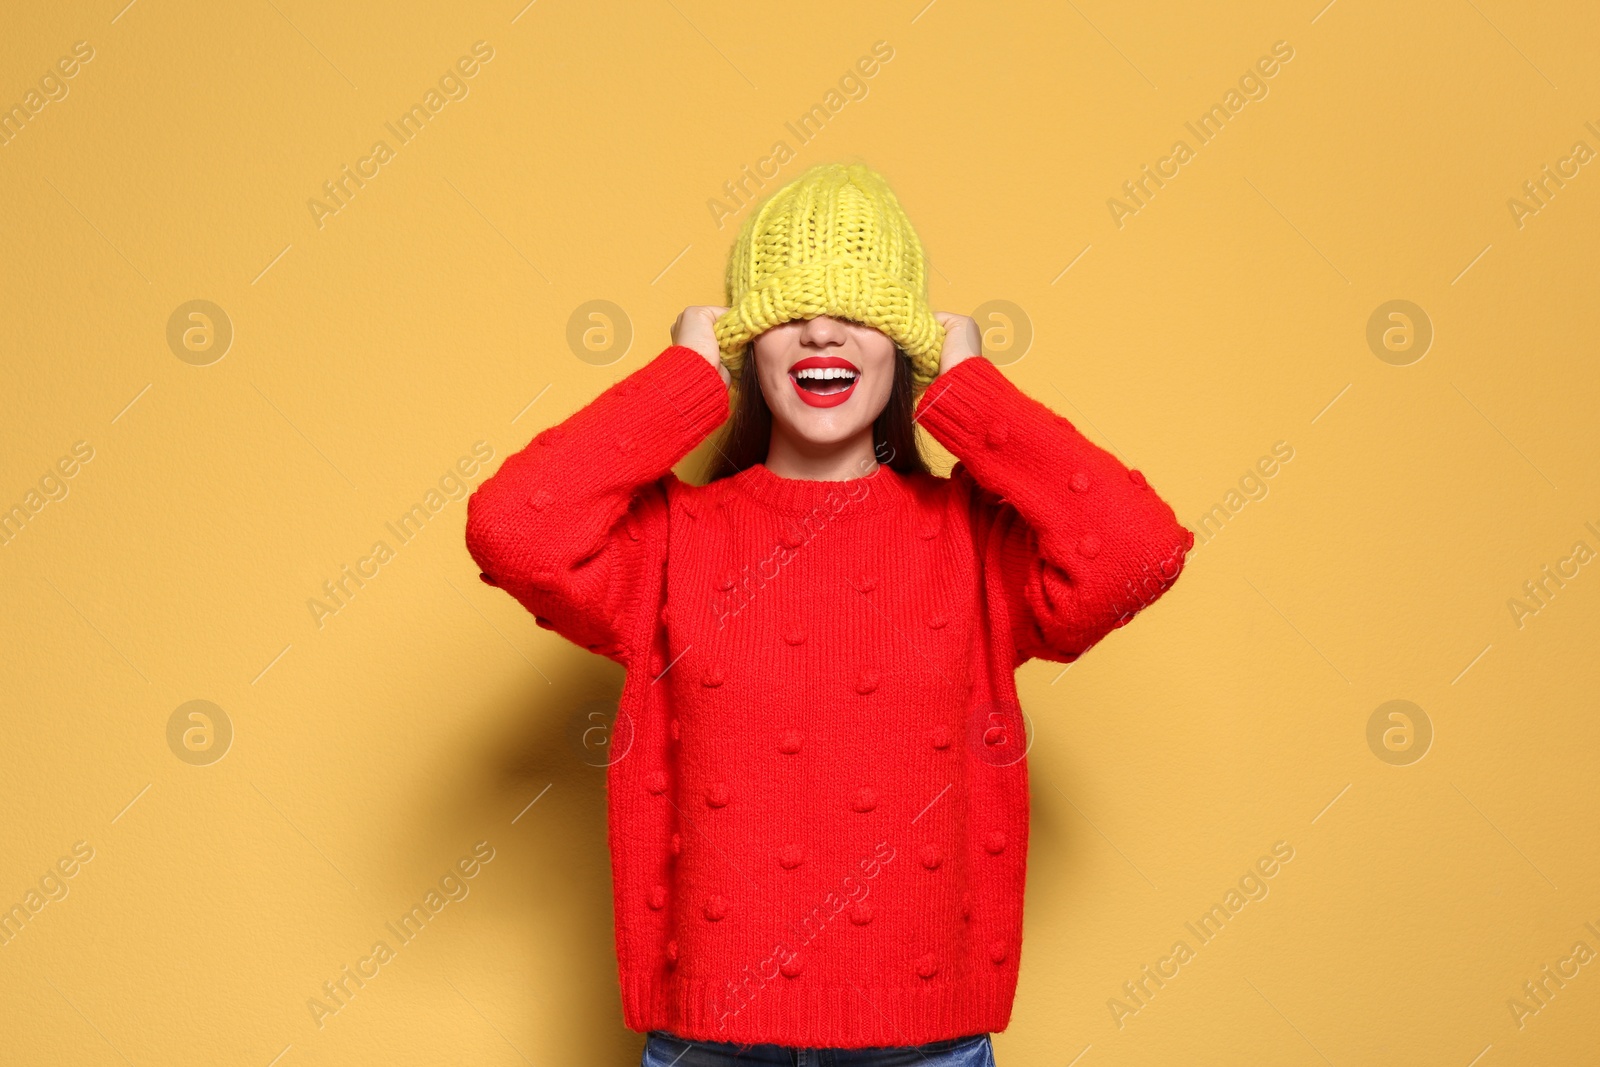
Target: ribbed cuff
{"x": 1020, "y": 449}
{"x": 674, "y": 401}
{"x": 970, "y": 406}
{"x": 1090, "y": 510}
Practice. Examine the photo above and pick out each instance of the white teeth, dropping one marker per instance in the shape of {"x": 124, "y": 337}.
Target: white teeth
{"x": 824, "y": 372}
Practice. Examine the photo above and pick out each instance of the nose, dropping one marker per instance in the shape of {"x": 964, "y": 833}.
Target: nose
{"x": 824, "y": 331}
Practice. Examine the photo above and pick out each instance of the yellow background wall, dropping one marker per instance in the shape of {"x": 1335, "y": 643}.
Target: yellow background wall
{"x": 373, "y": 348}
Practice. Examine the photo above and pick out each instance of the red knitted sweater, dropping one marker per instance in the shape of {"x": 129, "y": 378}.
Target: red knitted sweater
{"x": 819, "y": 827}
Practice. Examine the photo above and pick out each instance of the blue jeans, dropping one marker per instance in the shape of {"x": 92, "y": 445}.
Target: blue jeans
{"x": 662, "y": 1049}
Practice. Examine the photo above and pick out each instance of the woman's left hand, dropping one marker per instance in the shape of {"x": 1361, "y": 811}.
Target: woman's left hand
{"x": 962, "y": 339}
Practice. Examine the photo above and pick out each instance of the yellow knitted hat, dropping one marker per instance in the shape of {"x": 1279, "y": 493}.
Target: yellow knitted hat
{"x": 834, "y": 241}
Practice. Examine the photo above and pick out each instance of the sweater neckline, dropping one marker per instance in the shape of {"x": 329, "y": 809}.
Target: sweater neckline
{"x": 883, "y": 489}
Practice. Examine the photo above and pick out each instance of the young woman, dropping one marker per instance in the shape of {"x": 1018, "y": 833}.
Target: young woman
{"x": 819, "y": 825}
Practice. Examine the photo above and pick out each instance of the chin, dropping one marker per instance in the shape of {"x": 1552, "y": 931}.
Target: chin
{"x": 822, "y": 431}
{"x": 824, "y": 379}
{"x": 839, "y": 421}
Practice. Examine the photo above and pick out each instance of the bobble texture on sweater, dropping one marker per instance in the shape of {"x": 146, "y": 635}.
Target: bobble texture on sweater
{"x": 819, "y": 830}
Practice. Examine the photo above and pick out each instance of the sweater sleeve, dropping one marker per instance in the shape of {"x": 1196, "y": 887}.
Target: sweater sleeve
{"x": 562, "y": 525}
{"x": 1078, "y": 542}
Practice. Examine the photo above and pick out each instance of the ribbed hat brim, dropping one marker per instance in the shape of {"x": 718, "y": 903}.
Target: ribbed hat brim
{"x": 843, "y": 289}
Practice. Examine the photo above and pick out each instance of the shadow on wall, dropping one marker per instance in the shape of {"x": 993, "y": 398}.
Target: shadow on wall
{"x": 537, "y": 781}
{"x": 545, "y": 742}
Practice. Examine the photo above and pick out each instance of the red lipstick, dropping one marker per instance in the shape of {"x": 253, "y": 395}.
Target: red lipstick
{"x": 829, "y": 391}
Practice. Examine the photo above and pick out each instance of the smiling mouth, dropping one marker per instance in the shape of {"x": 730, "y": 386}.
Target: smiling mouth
{"x": 824, "y": 381}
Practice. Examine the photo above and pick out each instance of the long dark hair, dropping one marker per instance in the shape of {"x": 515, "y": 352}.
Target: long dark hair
{"x": 748, "y": 433}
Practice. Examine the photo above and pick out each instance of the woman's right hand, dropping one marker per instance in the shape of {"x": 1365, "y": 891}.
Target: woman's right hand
{"x": 693, "y": 329}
